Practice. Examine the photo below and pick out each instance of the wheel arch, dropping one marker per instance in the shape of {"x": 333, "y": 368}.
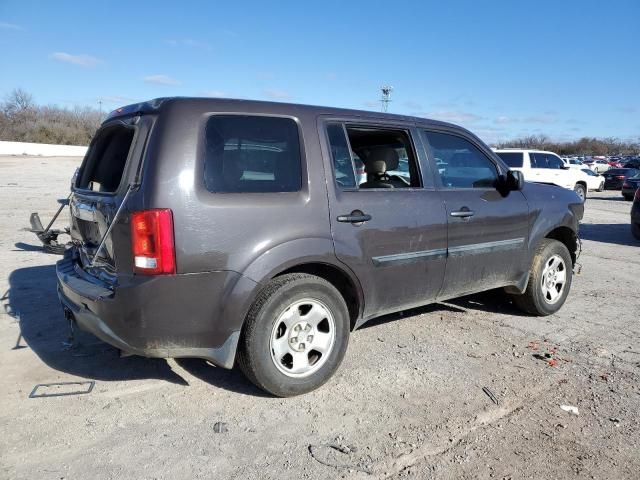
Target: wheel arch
{"x": 347, "y": 285}
{"x": 568, "y": 238}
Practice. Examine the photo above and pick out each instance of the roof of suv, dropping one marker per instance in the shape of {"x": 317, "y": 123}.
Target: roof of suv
{"x": 204, "y": 103}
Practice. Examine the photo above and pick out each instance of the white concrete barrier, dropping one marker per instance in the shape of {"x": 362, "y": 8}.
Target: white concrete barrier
{"x": 41, "y": 149}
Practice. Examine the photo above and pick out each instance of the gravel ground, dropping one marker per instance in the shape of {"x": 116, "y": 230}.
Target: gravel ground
{"x": 408, "y": 401}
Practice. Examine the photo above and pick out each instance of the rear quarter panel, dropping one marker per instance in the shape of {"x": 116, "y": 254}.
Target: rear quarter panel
{"x": 232, "y": 231}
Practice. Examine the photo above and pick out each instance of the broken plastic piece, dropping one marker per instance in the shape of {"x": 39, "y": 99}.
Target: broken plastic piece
{"x": 570, "y": 409}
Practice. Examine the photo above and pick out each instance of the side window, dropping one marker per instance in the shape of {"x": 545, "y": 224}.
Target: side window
{"x": 461, "y": 164}
{"x": 537, "y": 160}
{"x": 252, "y": 154}
{"x": 372, "y": 157}
{"x": 554, "y": 162}
{"x": 343, "y": 166}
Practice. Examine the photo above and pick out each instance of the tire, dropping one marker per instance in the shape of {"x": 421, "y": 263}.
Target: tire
{"x": 628, "y": 198}
{"x": 635, "y": 230}
{"x": 581, "y": 191}
{"x": 272, "y": 353}
{"x": 535, "y": 299}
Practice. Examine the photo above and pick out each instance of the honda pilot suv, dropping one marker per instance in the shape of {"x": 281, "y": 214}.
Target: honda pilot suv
{"x": 242, "y": 232}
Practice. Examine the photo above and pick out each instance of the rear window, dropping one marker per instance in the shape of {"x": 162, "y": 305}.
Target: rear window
{"x": 252, "y": 154}
{"x": 512, "y": 159}
{"x": 104, "y": 163}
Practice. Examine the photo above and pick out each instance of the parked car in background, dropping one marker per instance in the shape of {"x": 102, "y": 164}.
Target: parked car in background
{"x": 574, "y": 163}
{"x": 544, "y": 167}
{"x": 630, "y": 186}
{"x": 594, "y": 180}
{"x": 635, "y": 215}
{"x": 634, "y": 163}
{"x": 600, "y": 166}
{"x": 615, "y": 163}
{"x": 615, "y": 177}
{"x": 237, "y": 232}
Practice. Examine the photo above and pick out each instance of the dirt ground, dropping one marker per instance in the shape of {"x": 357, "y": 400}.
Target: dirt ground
{"x": 408, "y": 401}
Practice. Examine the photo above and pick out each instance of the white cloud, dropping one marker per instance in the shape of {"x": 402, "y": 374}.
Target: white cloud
{"x": 119, "y": 99}
{"x": 187, "y": 42}
{"x": 10, "y": 26}
{"x": 545, "y": 118}
{"x": 453, "y": 116}
{"x": 275, "y": 94}
{"x": 504, "y": 120}
{"x": 165, "y": 80}
{"x": 81, "y": 60}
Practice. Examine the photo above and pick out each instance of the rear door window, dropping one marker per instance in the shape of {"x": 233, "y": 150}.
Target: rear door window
{"x": 252, "y": 154}
{"x": 538, "y": 160}
{"x": 371, "y": 157}
{"x": 512, "y": 159}
{"x": 104, "y": 163}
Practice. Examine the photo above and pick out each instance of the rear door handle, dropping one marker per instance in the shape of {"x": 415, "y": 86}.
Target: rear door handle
{"x": 356, "y": 216}
{"x": 464, "y": 212}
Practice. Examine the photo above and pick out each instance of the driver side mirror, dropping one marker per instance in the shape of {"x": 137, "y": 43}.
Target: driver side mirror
{"x": 515, "y": 180}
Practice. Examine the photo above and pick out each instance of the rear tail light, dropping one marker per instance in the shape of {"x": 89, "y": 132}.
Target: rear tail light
{"x": 620, "y": 177}
{"x": 152, "y": 242}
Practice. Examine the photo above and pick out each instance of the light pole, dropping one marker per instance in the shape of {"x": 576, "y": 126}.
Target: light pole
{"x": 386, "y": 96}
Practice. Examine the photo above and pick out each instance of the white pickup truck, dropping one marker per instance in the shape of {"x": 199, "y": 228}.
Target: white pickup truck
{"x": 544, "y": 167}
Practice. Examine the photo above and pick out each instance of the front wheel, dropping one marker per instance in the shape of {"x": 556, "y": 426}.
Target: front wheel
{"x": 295, "y": 336}
{"x": 549, "y": 280}
{"x": 581, "y": 191}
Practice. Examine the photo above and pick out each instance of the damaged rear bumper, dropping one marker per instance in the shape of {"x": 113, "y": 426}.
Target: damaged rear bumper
{"x": 161, "y": 316}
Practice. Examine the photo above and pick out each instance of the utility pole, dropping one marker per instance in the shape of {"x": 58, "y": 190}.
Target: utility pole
{"x": 100, "y": 104}
{"x": 386, "y": 96}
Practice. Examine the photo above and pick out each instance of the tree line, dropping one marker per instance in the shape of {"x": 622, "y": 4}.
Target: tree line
{"x": 22, "y": 120}
{"x": 583, "y": 146}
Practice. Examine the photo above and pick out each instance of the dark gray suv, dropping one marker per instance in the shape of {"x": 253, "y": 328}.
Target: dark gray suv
{"x": 236, "y": 230}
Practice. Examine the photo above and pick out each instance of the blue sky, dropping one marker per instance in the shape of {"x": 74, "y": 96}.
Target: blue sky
{"x": 501, "y": 68}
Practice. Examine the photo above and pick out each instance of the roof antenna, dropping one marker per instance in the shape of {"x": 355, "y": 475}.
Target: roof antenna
{"x": 386, "y": 96}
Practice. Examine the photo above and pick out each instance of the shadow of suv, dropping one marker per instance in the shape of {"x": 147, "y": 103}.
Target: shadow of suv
{"x": 235, "y": 230}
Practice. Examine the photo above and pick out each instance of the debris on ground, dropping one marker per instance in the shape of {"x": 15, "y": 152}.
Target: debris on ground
{"x": 570, "y": 409}
{"x": 491, "y": 395}
{"x": 220, "y": 427}
{"x": 61, "y": 389}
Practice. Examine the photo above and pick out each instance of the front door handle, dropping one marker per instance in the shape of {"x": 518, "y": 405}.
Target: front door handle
{"x": 464, "y": 212}
{"x": 357, "y": 216}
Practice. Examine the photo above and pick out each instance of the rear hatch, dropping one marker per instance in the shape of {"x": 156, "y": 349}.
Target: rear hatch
{"x": 110, "y": 169}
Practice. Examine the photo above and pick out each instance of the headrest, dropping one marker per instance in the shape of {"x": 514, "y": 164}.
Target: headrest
{"x": 387, "y": 155}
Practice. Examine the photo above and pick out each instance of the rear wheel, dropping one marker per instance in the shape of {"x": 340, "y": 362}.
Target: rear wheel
{"x": 581, "y": 191}
{"x": 628, "y": 198}
{"x": 295, "y": 335}
{"x": 549, "y": 280}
